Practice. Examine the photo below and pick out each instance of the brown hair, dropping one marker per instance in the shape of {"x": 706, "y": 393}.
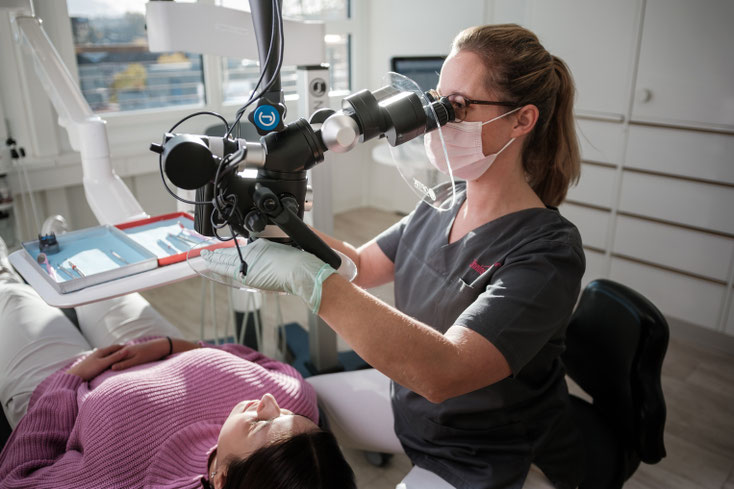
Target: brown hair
{"x": 310, "y": 460}
{"x": 521, "y": 68}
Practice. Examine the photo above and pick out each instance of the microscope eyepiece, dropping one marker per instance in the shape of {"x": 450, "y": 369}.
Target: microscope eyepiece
{"x": 444, "y": 112}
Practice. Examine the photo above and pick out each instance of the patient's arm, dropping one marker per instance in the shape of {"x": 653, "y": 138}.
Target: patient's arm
{"x": 150, "y": 351}
{"x": 39, "y": 440}
{"x": 96, "y": 362}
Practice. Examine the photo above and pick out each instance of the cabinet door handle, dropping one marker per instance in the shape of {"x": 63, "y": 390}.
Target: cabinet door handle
{"x": 644, "y": 95}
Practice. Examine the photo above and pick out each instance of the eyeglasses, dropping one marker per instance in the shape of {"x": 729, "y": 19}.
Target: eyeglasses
{"x": 461, "y": 104}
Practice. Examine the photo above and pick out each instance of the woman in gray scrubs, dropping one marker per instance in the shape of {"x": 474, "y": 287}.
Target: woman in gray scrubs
{"x": 483, "y": 292}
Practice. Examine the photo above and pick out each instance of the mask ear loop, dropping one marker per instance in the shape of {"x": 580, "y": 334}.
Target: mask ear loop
{"x": 512, "y": 139}
{"x": 501, "y": 116}
{"x": 505, "y": 146}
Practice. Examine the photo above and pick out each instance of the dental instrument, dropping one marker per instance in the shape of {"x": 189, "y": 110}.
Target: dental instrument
{"x": 118, "y": 256}
{"x": 43, "y": 260}
{"x": 76, "y": 269}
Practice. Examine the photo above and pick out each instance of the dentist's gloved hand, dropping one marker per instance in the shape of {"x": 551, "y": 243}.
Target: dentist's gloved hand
{"x": 274, "y": 266}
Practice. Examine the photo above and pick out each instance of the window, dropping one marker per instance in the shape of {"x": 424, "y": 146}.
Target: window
{"x": 117, "y": 73}
{"x": 316, "y": 9}
{"x": 240, "y": 75}
{"x": 116, "y": 70}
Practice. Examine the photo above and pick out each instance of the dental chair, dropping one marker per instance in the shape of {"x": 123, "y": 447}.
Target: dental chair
{"x": 5, "y": 429}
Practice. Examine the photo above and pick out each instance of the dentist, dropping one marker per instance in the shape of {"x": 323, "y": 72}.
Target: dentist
{"x": 483, "y": 292}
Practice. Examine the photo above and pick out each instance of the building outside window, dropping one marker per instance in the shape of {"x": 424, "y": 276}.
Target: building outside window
{"x": 240, "y": 75}
{"x": 118, "y": 73}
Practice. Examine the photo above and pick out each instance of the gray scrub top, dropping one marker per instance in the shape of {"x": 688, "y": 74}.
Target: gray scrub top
{"x": 515, "y": 281}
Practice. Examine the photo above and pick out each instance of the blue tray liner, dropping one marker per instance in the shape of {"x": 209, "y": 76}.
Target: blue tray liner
{"x": 90, "y": 250}
{"x": 155, "y": 236}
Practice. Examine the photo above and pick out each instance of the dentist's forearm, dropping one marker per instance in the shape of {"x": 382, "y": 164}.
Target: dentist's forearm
{"x": 406, "y": 350}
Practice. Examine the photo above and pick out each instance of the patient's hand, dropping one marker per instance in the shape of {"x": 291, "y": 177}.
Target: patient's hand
{"x": 150, "y": 351}
{"x": 97, "y": 362}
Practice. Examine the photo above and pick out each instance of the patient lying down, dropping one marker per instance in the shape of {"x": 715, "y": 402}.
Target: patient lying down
{"x": 204, "y": 416}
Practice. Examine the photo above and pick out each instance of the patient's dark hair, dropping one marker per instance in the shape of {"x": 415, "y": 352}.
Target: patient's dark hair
{"x": 310, "y": 460}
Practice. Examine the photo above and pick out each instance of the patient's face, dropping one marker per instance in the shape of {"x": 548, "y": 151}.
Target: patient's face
{"x": 254, "y": 424}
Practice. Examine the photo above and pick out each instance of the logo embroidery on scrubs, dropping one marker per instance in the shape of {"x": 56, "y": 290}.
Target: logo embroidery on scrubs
{"x": 480, "y": 269}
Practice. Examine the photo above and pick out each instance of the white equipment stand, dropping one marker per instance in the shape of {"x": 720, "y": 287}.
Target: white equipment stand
{"x": 313, "y": 94}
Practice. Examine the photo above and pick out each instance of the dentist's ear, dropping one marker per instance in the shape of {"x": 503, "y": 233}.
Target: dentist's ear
{"x": 525, "y": 120}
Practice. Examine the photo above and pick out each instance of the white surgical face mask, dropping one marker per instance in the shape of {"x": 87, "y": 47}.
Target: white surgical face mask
{"x": 464, "y": 148}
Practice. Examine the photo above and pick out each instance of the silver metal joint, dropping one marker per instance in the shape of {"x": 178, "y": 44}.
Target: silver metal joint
{"x": 308, "y": 202}
{"x": 255, "y": 155}
{"x": 340, "y": 133}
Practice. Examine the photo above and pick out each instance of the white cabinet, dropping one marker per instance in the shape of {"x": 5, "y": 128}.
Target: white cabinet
{"x": 596, "y": 38}
{"x": 655, "y": 119}
{"x": 596, "y": 186}
{"x": 600, "y": 141}
{"x": 595, "y": 267}
{"x": 674, "y": 247}
{"x": 686, "y": 68}
{"x": 692, "y": 300}
{"x": 593, "y": 224}
{"x": 695, "y": 204}
{"x": 694, "y": 154}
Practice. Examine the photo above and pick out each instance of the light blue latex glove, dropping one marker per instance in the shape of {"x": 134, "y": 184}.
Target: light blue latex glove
{"x": 274, "y": 266}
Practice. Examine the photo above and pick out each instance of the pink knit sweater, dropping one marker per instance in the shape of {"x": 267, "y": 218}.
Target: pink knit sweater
{"x": 151, "y": 426}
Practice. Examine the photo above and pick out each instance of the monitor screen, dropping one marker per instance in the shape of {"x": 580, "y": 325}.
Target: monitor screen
{"x": 423, "y": 70}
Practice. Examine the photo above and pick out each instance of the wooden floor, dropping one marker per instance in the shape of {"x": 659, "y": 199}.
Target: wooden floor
{"x": 698, "y": 382}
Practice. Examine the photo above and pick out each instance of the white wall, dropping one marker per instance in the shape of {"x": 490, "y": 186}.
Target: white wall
{"x": 416, "y": 28}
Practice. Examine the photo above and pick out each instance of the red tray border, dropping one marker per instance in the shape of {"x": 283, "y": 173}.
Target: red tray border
{"x": 179, "y": 257}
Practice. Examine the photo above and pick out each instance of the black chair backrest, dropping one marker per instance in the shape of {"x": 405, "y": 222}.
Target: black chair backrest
{"x": 615, "y": 345}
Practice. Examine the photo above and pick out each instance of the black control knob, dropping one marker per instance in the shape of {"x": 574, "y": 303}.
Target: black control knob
{"x": 255, "y": 222}
{"x": 187, "y": 161}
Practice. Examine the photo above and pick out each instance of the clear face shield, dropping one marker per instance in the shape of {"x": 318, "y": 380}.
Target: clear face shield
{"x": 412, "y": 160}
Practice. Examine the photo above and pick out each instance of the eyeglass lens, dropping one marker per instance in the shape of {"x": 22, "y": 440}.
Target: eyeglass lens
{"x": 457, "y": 101}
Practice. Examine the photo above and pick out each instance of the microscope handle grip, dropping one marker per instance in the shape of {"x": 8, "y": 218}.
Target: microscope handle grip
{"x": 280, "y": 212}
{"x": 307, "y": 239}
